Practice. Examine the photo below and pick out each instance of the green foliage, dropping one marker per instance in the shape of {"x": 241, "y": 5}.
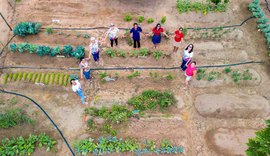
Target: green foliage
{"x": 170, "y": 76}
{"x": 121, "y": 53}
{"x": 106, "y": 145}
{"x": 236, "y": 75}
{"x": 157, "y": 54}
{"x": 26, "y": 28}
{"x": 57, "y": 78}
{"x": 26, "y": 146}
{"x": 110, "y": 52}
{"x": 103, "y": 75}
{"x": 55, "y": 51}
{"x": 129, "y": 41}
{"x": 91, "y": 124}
{"x": 150, "y": 20}
{"x": 49, "y": 31}
{"x": 67, "y": 50}
{"x": 22, "y": 47}
{"x": 140, "y": 19}
{"x": 143, "y": 52}
{"x": 13, "y": 47}
{"x": 185, "y": 31}
{"x": 262, "y": 20}
{"x": 163, "y": 19}
{"x": 227, "y": 70}
{"x": 15, "y": 76}
{"x": 134, "y": 74}
{"x": 108, "y": 129}
{"x": 127, "y": 18}
{"x": 79, "y": 52}
{"x": 150, "y": 99}
{"x": 30, "y": 76}
{"x": 12, "y": 118}
{"x": 32, "y": 48}
{"x": 43, "y": 50}
{"x": 134, "y": 53}
{"x": 47, "y": 78}
{"x": 86, "y": 35}
{"x": 201, "y": 6}
{"x": 6, "y": 78}
{"x": 24, "y": 76}
{"x": 78, "y": 34}
{"x": 66, "y": 80}
{"x": 260, "y": 145}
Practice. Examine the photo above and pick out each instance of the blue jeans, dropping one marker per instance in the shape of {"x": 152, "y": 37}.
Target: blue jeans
{"x": 87, "y": 75}
{"x": 183, "y": 65}
{"x": 80, "y": 93}
{"x": 96, "y": 56}
{"x": 156, "y": 39}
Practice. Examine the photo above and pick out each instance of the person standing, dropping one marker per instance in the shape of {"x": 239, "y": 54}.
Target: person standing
{"x": 190, "y": 72}
{"x": 135, "y": 35}
{"x": 156, "y": 31}
{"x": 94, "y": 49}
{"x": 188, "y": 54}
{"x": 113, "y": 33}
{"x": 178, "y": 38}
{"x": 84, "y": 69}
{"x": 76, "y": 87}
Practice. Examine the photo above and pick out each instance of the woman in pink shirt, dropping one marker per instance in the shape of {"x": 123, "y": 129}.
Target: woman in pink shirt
{"x": 190, "y": 72}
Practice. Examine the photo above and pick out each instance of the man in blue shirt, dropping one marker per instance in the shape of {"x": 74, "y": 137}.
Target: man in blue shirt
{"x": 135, "y": 34}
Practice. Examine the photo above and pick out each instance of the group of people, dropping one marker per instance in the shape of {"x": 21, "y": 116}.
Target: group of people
{"x": 188, "y": 66}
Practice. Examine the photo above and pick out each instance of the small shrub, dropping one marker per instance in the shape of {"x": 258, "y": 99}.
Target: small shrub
{"x": 13, "y": 47}
{"x": 26, "y": 28}
{"x": 79, "y": 52}
{"x": 110, "y": 52}
{"x": 12, "y": 118}
{"x": 150, "y": 20}
{"x": 67, "y": 50}
{"x": 30, "y": 76}
{"x": 6, "y": 78}
{"x": 143, "y": 52}
{"x": 24, "y": 76}
{"x": 47, "y": 78}
{"x": 140, "y": 19}
{"x": 15, "y": 76}
{"x": 128, "y": 18}
{"x": 38, "y": 79}
{"x": 134, "y": 53}
{"x": 42, "y": 79}
{"x": 49, "y": 31}
{"x": 57, "y": 78}
{"x": 32, "y": 48}
{"x": 86, "y": 35}
{"x": 91, "y": 124}
{"x": 169, "y": 76}
{"x": 262, "y": 20}
{"x": 107, "y": 129}
{"x": 134, "y": 74}
{"x": 157, "y": 54}
{"x": 52, "y": 79}
{"x": 21, "y": 47}
{"x": 43, "y": 50}
{"x": 129, "y": 41}
{"x": 122, "y": 53}
{"x": 34, "y": 77}
{"x": 163, "y": 19}
{"x": 227, "y": 70}
{"x": 55, "y": 51}
{"x": 20, "y": 76}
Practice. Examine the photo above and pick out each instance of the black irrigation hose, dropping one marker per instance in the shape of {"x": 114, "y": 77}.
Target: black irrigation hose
{"x": 94, "y": 28}
{"x": 7, "y": 44}
{"x": 134, "y": 68}
{"x": 18, "y": 94}
{"x": 267, "y": 5}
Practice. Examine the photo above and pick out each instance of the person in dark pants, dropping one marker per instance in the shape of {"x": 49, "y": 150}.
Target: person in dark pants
{"x": 113, "y": 33}
{"x": 135, "y": 34}
{"x": 188, "y": 54}
{"x": 84, "y": 69}
{"x": 156, "y": 31}
{"x": 94, "y": 49}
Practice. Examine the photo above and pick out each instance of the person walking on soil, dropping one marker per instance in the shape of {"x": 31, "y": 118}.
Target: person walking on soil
{"x": 156, "y": 32}
{"x": 84, "y": 69}
{"x": 94, "y": 49}
{"x": 190, "y": 72}
{"x": 187, "y": 57}
{"x": 113, "y": 33}
{"x": 178, "y": 38}
{"x": 76, "y": 87}
{"x": 135, "y": 35}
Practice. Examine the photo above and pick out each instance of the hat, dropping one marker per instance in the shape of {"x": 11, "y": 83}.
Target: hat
{"x": 92, "y": 38}
{"x": 112, "y": 24}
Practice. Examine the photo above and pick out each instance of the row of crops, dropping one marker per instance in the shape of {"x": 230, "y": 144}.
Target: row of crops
{"x": 34, "y": 77}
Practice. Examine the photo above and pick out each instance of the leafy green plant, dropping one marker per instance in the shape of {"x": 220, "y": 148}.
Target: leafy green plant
{"x": 134, "y": 53}
{"x": 6, "y": 78}
{"x": 26, "y": 146}
{"x": 260, "y": 145}
{"x": 86, "y": 35}
{"x": 169, "y": 76}
{"x": 157, "y": 54}
{"x": 78, "y": 34}
{"x": 140, "y": 19}
{"x": 22, "y": 47}
{"x": 236, "y": 75}
{"x": 216, "y": 2}
{"x": 227, "y": 70}
{"x": 150, "y": 99}
{"x": 26, "y": 28}
{"x": 67, "y": 50}
{"x": 91, "y": 124}
{"x": 163, "y": 19}
{"x": 55, "y": 51}
{"x": 32, "y": 48}
{"x": 127, "y": 18}
{"x": 134, "y": 74}
{"x": 108, "y": 129}
{"x": 43, "y": 50}
{"x": 13, "y": 47}
{"x": 150, "y": 20}
{"x": 13, "y": 117}
{"x": 121, "y": 53}
{"x": 49, "y": 31}
{"x": 200, "y": 74}
{"x": 143, "y": 52}
{"x": 103, "y": 75}
{"x": 110, "y": 52}
{"x": 78, "y": 52}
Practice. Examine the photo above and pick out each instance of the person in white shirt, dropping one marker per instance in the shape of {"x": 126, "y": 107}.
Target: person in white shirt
{"x": 76, "y": 87}
{"x": 187, "y": 57}
{"x": 94, "y": 49}
{"x": 113, "y": 33}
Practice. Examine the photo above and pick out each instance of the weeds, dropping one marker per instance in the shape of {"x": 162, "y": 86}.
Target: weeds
{"x": 157, "y": 54}
{"x": 170, "y": 76}
{"x": 134, "y": 74}
{"x": 49, "y": 31}
{"x": 13, "y": 117}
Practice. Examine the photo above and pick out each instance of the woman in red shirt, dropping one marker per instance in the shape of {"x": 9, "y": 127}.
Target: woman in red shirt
{"x": 190, "y": 72}
{"x": 156, "y": 39}
{"x": 178, "y": 38}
